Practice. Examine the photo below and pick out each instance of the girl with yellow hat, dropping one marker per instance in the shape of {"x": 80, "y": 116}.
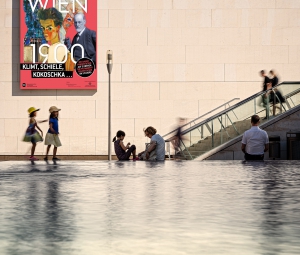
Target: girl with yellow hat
{"x": 32, "y": 135}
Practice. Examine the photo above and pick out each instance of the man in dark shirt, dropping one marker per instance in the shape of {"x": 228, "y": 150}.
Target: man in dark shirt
{"x": 266, "y": 79}
{"x": 84, "y": 37}
{"x": 265, "y": 97}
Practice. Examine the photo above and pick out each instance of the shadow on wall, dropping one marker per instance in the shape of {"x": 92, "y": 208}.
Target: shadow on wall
{"x": 16, "y": 91}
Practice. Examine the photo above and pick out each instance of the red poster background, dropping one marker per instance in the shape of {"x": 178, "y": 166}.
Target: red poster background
{"x": 76, "y": 82}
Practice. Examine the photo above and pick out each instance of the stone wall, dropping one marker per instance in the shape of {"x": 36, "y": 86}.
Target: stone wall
{"x": 171, "y": 58}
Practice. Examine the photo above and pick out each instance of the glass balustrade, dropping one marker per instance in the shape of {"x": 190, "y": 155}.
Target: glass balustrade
{"x": 234, "y": 121}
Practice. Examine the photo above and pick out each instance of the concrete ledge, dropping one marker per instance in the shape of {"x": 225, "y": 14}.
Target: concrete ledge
{"x": 62, "y": 157}
{"x": 239, "y": 138}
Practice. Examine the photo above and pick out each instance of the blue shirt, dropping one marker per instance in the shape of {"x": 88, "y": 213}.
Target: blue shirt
{"x": 160, "y": 146}
{"x": 54, "y": 122}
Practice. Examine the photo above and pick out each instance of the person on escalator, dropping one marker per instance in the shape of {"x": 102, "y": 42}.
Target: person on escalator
{"x": 178, "y": 137}
{"x": 266, "y": 97}
{"x": 266, "y": 79}
{"x": 274, "y": 98}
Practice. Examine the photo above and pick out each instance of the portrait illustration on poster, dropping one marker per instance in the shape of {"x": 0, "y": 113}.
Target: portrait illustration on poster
{"x": 58, "y": 44}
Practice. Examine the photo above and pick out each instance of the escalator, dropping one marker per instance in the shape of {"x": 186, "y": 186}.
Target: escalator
{"x": 202, "y": 136}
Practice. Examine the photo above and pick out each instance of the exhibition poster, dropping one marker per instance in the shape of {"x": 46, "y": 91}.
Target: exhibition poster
{"x": 58, "y": 44}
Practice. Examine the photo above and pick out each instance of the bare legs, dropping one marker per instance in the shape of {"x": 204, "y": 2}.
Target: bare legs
{"x": 54, "y": 151}
{"x": 48, "y": 148}
{"x": 33, "y": 149}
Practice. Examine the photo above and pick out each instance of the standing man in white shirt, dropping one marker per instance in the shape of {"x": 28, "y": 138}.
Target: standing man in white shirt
{"x": 255, "y": 141}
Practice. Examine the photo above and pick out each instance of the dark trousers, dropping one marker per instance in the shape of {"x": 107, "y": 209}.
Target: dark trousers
{"x": 127, "y": 154}
{"x": 254, "y": 157}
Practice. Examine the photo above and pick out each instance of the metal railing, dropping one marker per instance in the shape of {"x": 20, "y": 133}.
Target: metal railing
{"x": 229, "y": 122}
{"x": 200, "y": 117}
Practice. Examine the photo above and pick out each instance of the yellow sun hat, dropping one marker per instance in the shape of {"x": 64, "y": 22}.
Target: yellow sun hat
{"x": 32, "y": 109}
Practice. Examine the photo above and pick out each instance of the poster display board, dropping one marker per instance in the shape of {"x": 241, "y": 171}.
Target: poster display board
{"x": 58, "y": 44}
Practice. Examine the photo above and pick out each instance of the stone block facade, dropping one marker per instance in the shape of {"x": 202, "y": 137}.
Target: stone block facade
{"x": 171, "y": 58}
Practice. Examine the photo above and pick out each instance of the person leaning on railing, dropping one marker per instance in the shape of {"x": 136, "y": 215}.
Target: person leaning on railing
{"x": 255, "y": 141}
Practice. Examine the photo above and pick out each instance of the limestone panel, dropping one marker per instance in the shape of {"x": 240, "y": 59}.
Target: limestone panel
{"x": 102, "y": 109}
{"x": 127, "y": 125}
{"x": 290, "y": 72}
{"x": 2, "y": 127}
{"x": 165, "y": 36}
{"x": 226, "y": 17}
{"x": 13, "y": 92}
{"x": 198, "y": 18}
{"x": 284, "y": 4}
{"x": 141, "y": 123}
{"x": 77, "y": 95}
{"x": 196, "y": 36}
{"x": 167, "y": 18}
{"x": 204, "y": 72}
{"x": 290, "y": 35}
{"x": 160, "y": 4}
{"x": 147, "y": 54}
{"x": 134, "y": 36}
{"x": 166, "y": 72}
{"x": 294, "y": 54}
{"x": 6, "y": 72}
{"x": 75, "y": 127}
{"x": 11, "y": 145}
{"x": 248, "y": 72}
{"x": 237, "y": 54}
{"x": 9, "y": 109}
{"x": 102, "y": 127}
{"x": 186, "y": 108}
{"x": 23, "y": 105}
{"x": 168, "y": 125}
{"x": 103, "y": 74}
{"x": 2, "y": 17}
{"x": 102, "y": 145}
{"x": 109, "y": 36}
{"x": 102, "y": 18}
{"x": 78, "y": 145}
{"x": 15, "y": 127}
{"x": 143, "y": 72}
{"x": 73, "y": 109}
{"x": 122, "y": 4}
{"x": 128, "y": 18}
{"x": 185, "y": 90}
{"x": 64, "y": 149}
{"x": 10, "y": 36}
{"x": 230, "y": 36}
{"x": 129, "y": 91}
{"x": 294, "y": 18}
{"x": 12, "y": 18}
{"x": 2, "y": 145}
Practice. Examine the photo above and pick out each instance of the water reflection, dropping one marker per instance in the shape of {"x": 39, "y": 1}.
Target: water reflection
{"x": 149, "y": 208}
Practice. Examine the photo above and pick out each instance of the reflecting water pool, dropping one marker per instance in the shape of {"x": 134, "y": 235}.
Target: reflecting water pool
{"x": 212, "y": 207}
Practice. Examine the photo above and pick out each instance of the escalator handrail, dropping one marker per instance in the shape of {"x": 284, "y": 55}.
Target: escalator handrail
{"x": 234, "y": 106}
{"x": 220, "y": 106}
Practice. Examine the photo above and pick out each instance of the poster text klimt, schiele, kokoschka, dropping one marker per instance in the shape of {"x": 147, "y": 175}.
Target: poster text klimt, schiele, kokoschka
{"x": 58, "y": 44}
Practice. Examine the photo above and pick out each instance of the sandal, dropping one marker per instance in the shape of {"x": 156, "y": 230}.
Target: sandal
{"x": 55, "y": 158}
{"x": 33, "y": 158}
